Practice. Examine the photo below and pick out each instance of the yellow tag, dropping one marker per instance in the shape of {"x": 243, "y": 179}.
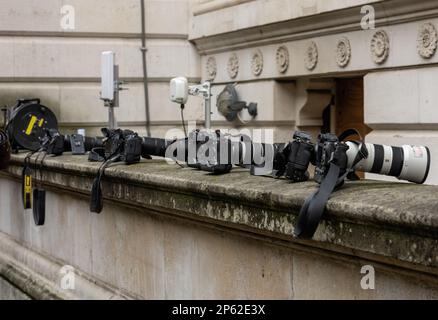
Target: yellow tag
{"x": 41, "y": 122}
{"x": 31, "y": 124}
{"x": 28, "y": 184}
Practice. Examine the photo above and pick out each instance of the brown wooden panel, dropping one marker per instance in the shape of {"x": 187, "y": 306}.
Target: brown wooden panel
{"x": 349, "y": 107}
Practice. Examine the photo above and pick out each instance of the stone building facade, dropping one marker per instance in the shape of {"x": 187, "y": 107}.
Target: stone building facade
{"x": 168, "y": 232}
{"x": 44, "y": 56}
{"x": 368, "y": 64}
{"x": 298, "y": 58}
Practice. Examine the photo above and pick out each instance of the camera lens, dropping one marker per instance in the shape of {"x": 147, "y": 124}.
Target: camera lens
{"x": 407, "y": 162}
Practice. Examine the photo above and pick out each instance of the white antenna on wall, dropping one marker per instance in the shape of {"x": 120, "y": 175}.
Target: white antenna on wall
{"x": 110, "y": 86}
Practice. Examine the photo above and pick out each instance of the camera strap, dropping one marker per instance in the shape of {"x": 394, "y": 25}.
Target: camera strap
{"x": 33, "y": 194}
{"x": 98, "y": 154}
{"x": 313, "y": 207}
{"x": 26, "y": 175}
{"x": 363, "y": 151}
{"x": 26, "y": 182}
{"x": 39, "y": 194}
{"x": 96, "y": 202}
{"x": 119, "y": 145}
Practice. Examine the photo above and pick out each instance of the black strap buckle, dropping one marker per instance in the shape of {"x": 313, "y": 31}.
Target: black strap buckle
{"x": 97, "y": 154}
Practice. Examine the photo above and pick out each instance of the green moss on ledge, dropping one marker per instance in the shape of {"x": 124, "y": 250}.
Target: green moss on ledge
{"x": 395, "y": 222}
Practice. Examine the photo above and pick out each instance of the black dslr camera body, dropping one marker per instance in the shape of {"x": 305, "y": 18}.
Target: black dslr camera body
{"x": 329, "y": 149}
{"x": 125, "y": 145}
{"x": 301, "y": 152}
{"x": 52, "y": 142}
{"x": 118, "y": 145}
{"x": 207, "y": 147}
{"x": 298, "y": 155}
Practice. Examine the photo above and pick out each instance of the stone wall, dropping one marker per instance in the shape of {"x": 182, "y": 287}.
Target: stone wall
{"x": 172, "y": 233}
{"x": 62, "y": 67}
{"x": 284, "y": 55}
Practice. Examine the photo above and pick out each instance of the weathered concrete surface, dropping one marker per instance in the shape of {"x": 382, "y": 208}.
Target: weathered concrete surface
{"x": 39, "y": 276}
{"x": 151, "y": 239}
{"x": 10, "y": 292}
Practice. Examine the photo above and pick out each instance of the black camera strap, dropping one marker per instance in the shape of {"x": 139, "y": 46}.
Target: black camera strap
{"x": 313, "y": 207}
{"x": 26, "y": 182}
{"x": 118, "y": 145}
{"x": 98, "y": 154}
{"x": 33, "y": 194}
{"x": 53, "y": 146}
{"x": 39, "y": 193}
{"x": 363, "y": 151}
{"x": 96, "y": 202}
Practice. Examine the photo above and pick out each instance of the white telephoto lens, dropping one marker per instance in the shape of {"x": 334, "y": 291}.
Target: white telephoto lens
{"x": 416, "y": 163}
{"x": 409, "y": 163}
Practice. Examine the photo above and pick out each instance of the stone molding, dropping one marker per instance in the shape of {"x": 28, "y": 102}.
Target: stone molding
{"x": 318, "y": 96}
{"x": 311, "y": 56}
{"x": 208, "y": 6}
{"x": 211, "y": 67}
{"x": 380, "y": 47}
{"x": 333, "y": 22}
{"x": 372, "y": 50}
{"x": 233, "y": 66}
{"x": 282, "y": 59}
{"x": 427, "y": 40}
{"x": 343, "y": 52}
{"x": 257, "y": 63}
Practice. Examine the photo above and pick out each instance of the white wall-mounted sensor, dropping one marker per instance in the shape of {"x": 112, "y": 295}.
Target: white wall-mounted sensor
{"x": 179, "y": 90}
{"x": 107, "y": 76}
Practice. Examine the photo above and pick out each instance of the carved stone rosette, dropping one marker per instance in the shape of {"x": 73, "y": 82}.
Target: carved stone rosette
{"x": 282, "y": 59}
{"x": 257, "y": 63}
{"x": 380, "y": 47}
{"x": 427, "y": 40}
{"x": 233, "y": 66}
{"x": 343, "y": 52}
{"x": 311, "y": 58}
{"x": 211, "y": 67}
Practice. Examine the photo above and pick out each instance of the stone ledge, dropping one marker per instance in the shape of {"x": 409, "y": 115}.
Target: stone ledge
{"x": 337, "y": 21}
{"x": 387, "y": 222}
{"x": 38, "y": 275}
